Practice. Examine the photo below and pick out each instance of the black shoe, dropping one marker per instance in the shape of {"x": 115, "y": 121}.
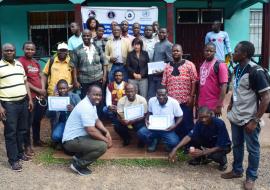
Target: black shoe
{"x": 81, "y": 171}
{"x": 25, "y": 158}
{"x": 39, "y": 143}
{"x": 205, "y": 161}
{"x": 153, "y": 146}
{"x": 140, "y": 144}
{"x": 126, "y": 142}
{"x": 195, "y": 162}
{"x": 222, "y": 167}
{"x": 16, "y": 166}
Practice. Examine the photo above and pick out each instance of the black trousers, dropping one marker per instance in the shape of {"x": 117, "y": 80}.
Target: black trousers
{"x": 15, "y": 128}
{"x": 218, "y": 157}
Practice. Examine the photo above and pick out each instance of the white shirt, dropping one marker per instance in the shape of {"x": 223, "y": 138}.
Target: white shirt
{"x": 117, "y": 50}
{"x": 90, "y": 52}
{"x": 149, "y": 45}
{"x": 83, "y": 115}
{"x": 109, "y": 94}
{"x": 171, "y": 108}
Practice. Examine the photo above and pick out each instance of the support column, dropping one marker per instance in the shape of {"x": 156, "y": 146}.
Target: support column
{"x": 78, "y": 15}
{"x": 266, "y": 36}
{"x": 170, "y": 19}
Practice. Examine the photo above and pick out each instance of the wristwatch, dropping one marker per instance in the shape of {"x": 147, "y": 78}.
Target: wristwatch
{"x": 256, "y": 119}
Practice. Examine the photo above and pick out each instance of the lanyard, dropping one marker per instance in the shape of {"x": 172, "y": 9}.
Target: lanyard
{"x": 238, "y": 77}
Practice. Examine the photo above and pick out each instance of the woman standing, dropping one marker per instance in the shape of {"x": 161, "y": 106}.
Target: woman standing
{"x": 92, "y": 24}
{"x": 180, "y": 78}
{"x": 137, "y": 61}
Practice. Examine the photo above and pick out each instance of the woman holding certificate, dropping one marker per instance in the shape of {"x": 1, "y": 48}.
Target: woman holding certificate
{"x": 180, "y": 77}
{"x": 137, "y": 61}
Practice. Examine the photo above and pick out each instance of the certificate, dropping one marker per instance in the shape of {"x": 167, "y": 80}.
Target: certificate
{"x": 58, "y": 103}
{"x": 133, "y": 112}
{"x": 153, "y": 67}
{"x": 159, "y": 122}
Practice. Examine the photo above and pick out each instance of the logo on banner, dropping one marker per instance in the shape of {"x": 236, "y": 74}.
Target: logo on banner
{"x": 130, "y": 15}
{"x": 145, "y": 13}
{"x": 111, "y": 15}
{"x": 91, "y": 13}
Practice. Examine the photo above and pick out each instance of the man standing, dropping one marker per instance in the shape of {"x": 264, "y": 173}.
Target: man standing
{"x": 37, "y": 88}
{"x": 220, "y": 39}
{"x": 136, "y": 28}
{"x": 122, "y": 125}
{"x": 162, "y": 52}
{"x": 245, "y": 114}
{"x": 209, "y": 141}
{"x": 213, "y": 81}
{"x": 165, "y": 106}
{"x": 88, "y": 61}
{"x": 76, "y": 39}
{"x": 149, "y": 41}
{"x": 58, "y": 68}
{"x": 116, "y": 52}
{"x": 125, "y": 34}
{"x": 16, "y": 100}
{"x": 84, "y": 133}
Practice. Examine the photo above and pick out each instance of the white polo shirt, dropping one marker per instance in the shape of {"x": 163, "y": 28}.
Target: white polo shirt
{"x": 171, "y": 108}
{"x": 83, "y": 115}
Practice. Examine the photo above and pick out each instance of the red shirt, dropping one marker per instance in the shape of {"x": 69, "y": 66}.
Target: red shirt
{"x": 32, "y": 70}
{"x": 179, "y": 87}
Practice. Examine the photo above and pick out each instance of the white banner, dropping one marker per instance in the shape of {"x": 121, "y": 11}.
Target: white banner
{"x": 105, "y": 15}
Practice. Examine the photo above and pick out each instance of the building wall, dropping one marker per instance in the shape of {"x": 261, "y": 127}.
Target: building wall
{"x": 14, "y": 22}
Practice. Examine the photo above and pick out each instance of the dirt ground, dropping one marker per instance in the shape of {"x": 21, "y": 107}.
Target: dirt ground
{"x": 182, "y": 176}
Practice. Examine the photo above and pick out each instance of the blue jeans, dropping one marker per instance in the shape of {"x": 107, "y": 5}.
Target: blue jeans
{"x": 153, "y": 83}
{"x": 187, "y": 123}
{"x": 170, "y": 138}
{"x": 58, "y": 131}
{"x": 239, "y": 136}
{"x": 118, "y": 67}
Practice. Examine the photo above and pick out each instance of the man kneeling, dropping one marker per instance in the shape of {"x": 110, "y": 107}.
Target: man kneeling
{"x": 210, "y": 141}
{"x": 84, "y": 133}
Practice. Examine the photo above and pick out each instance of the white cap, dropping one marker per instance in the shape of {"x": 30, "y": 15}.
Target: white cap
{"x": 62, "y": 46}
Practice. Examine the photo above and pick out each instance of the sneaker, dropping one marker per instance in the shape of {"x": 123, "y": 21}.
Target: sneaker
{"x": 195, "y": 162}
{"x": 29, "y": 151}
{"x": 16, "y": 167}
{"x": 249, "y": 184}
{"x": 25, "y": 158}
{"x": 75, "y": 158}
{"x": 39, "y": 143}
{"x": 231, "y": 175}
{"x": 222, "y": 167}
{"x": 153, "y": 146}
{"x": 79, "y": 170}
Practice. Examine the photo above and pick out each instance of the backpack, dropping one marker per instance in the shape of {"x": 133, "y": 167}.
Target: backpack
{"x": 252, "y": 76}
{"x": 230, "y": 74}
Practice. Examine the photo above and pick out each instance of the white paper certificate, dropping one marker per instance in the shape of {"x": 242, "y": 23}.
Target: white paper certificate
{"x": 58, "y": 103}
{"x": 133, "y": 112}
{"x": 159, "y": 122}
{"x": 155, "y": 66}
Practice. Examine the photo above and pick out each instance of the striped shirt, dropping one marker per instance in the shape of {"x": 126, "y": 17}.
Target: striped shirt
{"x": 12, "y": 81}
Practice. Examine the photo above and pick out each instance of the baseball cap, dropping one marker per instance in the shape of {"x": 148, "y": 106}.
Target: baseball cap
{"x": 62, "y": 46}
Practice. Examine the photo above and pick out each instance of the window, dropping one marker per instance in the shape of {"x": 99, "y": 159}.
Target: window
{"x": 255, "y": 29}
{"x": 46, "y": 29}
{"x": 188, "y": 16}
{"x": 211, "y": 15}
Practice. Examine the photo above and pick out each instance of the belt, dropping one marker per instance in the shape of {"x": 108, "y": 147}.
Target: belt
{"x": 118, "y": 64}
{"x": 15, "y": 102}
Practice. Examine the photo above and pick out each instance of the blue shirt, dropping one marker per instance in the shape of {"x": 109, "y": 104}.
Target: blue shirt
{"x": 83, "y": 115}
{"x": 74, "y": 42}
{"x": 222, "y": 41}
{"x": 213, "y": 135}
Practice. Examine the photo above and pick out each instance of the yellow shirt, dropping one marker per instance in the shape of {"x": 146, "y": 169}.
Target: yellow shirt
{"x": 12, "y": 81}
{"x": 59, "y": 70}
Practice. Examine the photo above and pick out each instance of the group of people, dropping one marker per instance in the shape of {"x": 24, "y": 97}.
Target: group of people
{"x": 104, "y": 76}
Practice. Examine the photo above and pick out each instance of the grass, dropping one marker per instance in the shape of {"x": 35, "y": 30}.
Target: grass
{"x": 46, "y": 157}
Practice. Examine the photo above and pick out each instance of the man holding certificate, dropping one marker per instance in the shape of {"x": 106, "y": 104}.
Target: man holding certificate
{"x": 164, "y": 115}
{"x": 131, "y": 110}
